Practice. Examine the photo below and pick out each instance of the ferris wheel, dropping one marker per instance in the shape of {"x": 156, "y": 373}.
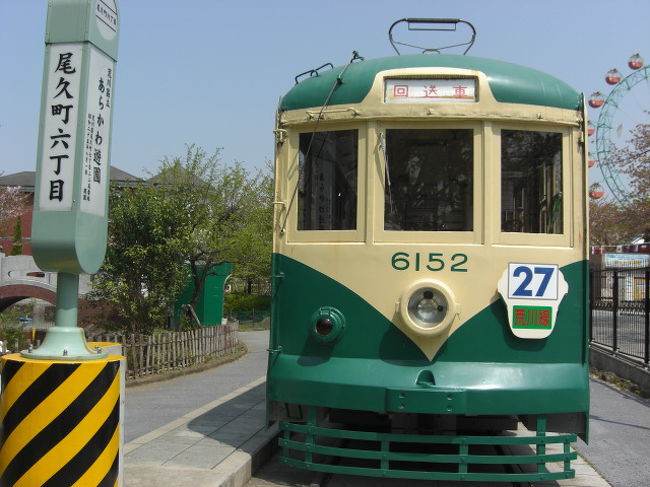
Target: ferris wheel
{"x": 608, "y": 129}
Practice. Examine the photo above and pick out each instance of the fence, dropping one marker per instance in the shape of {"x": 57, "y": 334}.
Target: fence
{"x": 252, "y": 316}
{"x": 620, "y": 311}
{"x": 152, "y": 354}
{"x": 258, "y": 287}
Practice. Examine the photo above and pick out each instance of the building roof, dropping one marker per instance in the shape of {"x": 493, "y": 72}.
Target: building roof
{"x": 119, "y": 175}
{"x": 26, "y": 179}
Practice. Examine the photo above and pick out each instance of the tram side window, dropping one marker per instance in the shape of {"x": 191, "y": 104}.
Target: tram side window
{"x": 531, "y": 182}
{"x": 429, "y": 183}
{"x": 327, "y": 188}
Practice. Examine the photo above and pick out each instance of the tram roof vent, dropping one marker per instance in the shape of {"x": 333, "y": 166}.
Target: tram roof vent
{"x": 426, "y": 24}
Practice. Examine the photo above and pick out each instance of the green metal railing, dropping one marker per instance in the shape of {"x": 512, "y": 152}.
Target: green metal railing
{"x": 302, "y": 446}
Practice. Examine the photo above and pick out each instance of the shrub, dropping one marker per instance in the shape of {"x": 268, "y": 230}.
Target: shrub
{"x": 235, "y": 302}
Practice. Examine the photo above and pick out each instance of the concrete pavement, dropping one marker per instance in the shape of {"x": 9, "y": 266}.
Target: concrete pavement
{"x": 203, "y": 429}
{"x": 220, "y": 443}
{"x": 619, "y": 436}
{"x": 152, "y": 405}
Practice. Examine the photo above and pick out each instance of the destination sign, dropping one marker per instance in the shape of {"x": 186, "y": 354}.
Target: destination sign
{"x": 424, "y": 90}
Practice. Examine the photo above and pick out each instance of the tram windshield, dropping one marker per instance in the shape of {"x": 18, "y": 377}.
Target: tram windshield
{"x": 429, "y": 184}
{"x": 327, "y": 188}
{"x": 531, "y": 181}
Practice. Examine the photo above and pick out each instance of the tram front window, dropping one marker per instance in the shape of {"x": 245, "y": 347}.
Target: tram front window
{"x": 531, "y": 181}
{"x": 429, "y": 184}
{"x": 327, "y": 188}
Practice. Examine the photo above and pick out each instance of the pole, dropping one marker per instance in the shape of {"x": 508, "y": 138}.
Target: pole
{"x": 646, "y": 312}
{"x": 615, "y": 299}
{"x": 62, "y": 403}
{"x": 67, "y": 300}
{"x": 65, "y": 340}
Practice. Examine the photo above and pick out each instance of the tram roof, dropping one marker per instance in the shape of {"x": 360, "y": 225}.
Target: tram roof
{"x": 510, "y": 83}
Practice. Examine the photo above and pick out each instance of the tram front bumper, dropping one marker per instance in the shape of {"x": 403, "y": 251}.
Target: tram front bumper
{"x": 469, "y": 388}
{"x": 421, "y": 399}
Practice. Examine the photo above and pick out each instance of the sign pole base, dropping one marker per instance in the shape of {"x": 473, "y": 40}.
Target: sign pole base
{"x": 65, "y": 341}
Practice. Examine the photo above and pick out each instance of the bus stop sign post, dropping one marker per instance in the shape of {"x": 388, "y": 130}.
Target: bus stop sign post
{"x": 70, "y": 218}
{"x": 64, "y": 382}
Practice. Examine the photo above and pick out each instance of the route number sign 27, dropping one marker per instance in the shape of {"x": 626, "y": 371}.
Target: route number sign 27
{"x": 532, "y": 281}
{"x": 532, "y": 294}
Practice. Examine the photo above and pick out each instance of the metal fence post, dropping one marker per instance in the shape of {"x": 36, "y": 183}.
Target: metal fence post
{"x": 646, "y": 355}
{"x": 615, "y": 298}
{"x": 592, "y": 301}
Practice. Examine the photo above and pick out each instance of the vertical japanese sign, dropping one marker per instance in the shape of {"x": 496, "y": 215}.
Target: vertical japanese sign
{"x": 70, "y": 220}
{"x": 58, "y": 138}
{"x": 95, "y": 175}
{"x": 63, "y": 110}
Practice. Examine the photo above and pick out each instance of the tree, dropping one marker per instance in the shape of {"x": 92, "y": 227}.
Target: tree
{"x": 143, "y": 272}
{"x": 226, "y": 208}
{"x": 17, "y": 245}
{"x": 194, "y": 214}
{"x": 613, "y": 223}
{"x": 253, "y": 245}
{"x": 12, "y": 205}
{"x": 608, "y": 223}
{"x": 634, "y": 161}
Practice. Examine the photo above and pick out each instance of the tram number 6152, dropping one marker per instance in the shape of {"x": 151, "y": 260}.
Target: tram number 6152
{"x": 431, "y": 261}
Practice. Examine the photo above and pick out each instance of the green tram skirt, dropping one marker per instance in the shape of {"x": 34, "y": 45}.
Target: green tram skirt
{"x": 427, "y": 457}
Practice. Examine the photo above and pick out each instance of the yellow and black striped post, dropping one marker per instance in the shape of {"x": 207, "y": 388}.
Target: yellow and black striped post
{"x": 60, "y": 422}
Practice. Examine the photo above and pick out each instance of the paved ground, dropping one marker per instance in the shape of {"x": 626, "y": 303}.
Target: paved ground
{"x": 150, "y": 406}
{"x": 619, "y": 445}
{"x": 202, "y": 429}
{"x": 214, "y": 445}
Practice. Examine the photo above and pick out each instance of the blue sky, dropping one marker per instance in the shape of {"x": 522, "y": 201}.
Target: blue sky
{"x": 210, "y": 72}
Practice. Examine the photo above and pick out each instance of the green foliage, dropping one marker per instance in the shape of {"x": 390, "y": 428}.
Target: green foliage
{"x": 195, "y": 213}
{"x": 11, "y": 329}
{"x": 143, "y": 271}
{"x": 247, "y": 309}
{"x": 253, "y": 245}
{"x": 229, "y": 211}
{"x": 17, "y": 244}
{"x": 235, "y": 302}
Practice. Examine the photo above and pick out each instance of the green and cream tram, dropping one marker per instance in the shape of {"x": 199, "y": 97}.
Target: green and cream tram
{"x": 430, "y": 270}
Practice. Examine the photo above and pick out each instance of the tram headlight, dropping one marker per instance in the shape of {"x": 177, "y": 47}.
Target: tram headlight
{"x": 327, "y": 324}
{"x": 324, "y": 326}
{"x": 428, "y": 307}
